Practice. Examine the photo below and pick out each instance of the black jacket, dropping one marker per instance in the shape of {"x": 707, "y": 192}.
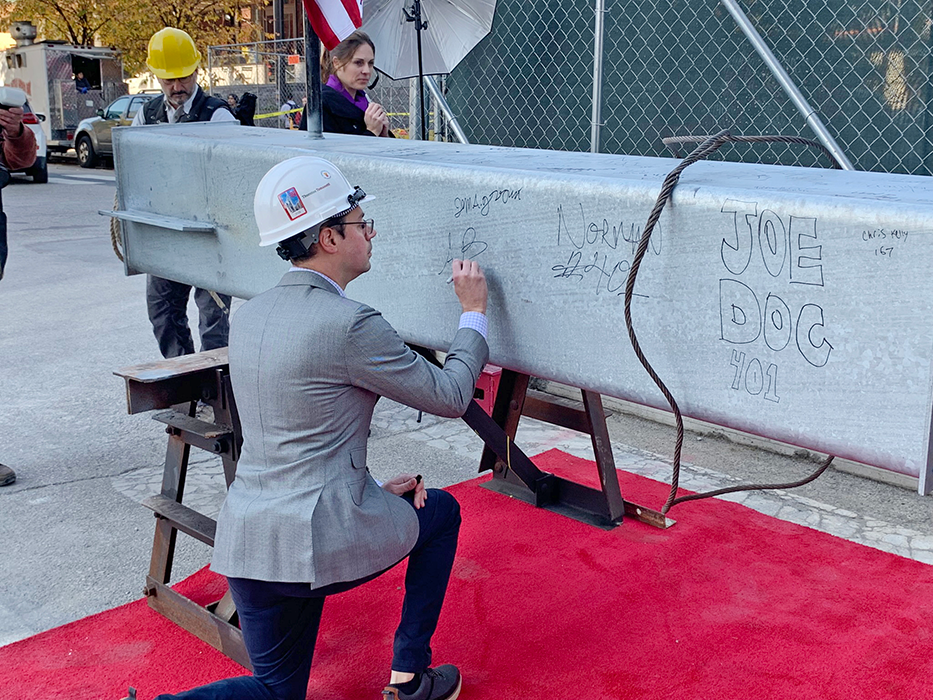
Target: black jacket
{"x": 339, "y": 115}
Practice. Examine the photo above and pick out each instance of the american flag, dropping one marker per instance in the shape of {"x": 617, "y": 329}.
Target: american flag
{"x": 334, "y": 20}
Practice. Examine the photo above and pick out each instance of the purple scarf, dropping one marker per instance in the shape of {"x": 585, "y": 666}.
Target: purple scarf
{"x": 361, "y": 100}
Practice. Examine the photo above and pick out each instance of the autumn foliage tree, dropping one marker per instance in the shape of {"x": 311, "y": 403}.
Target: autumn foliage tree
{"x": 128, "y": 24}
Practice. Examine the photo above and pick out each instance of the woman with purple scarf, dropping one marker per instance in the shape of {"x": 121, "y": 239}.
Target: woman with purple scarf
{"x": 346, "y": 72}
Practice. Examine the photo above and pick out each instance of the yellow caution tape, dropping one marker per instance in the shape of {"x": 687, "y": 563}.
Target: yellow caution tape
{"x": 277, "y": 114}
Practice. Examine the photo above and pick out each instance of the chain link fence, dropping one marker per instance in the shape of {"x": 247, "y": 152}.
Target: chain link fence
{"x": 678, "y": 68}
{"x": 530, "y": 82}
{"x": 670, "y": 68}
{"x": 274, "y": 71}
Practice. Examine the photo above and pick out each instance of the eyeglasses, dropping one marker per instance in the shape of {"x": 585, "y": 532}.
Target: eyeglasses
{"x": 181, "y": 81}
{"x": 367, "y": 225}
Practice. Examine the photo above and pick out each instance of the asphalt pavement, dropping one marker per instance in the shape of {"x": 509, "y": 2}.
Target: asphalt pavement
{"x": 74, "y": 539}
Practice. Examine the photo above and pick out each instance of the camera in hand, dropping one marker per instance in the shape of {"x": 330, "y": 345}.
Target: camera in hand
{"x": 11, "y": 97}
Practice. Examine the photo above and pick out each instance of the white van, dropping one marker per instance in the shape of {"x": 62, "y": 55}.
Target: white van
{"x": 47, "y": 72}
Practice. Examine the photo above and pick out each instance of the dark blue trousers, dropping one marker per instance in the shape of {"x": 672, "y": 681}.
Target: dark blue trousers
{"x": 167, "y": 302}
{"x": 280, "y": 620}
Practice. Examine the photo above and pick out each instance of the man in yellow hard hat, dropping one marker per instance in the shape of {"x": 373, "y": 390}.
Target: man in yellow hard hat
{"x": 174, "y": 60}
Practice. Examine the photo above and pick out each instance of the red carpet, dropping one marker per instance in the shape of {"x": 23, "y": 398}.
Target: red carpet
{"x": 728, "y": 604}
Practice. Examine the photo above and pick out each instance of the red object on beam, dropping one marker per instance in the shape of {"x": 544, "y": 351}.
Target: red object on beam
{"x": 486, "y": 387}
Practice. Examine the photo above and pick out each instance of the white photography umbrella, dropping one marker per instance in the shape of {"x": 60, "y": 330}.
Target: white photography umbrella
{"x": 425, "y": 37}
{"x": 453, "y": 29}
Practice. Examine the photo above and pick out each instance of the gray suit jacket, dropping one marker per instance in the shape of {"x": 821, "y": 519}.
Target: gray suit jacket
{"x": 307, "y": 367}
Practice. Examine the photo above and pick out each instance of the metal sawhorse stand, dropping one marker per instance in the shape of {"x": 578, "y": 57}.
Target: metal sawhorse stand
{"x": 178, "y": 384}
{"x": 516, "y": 475}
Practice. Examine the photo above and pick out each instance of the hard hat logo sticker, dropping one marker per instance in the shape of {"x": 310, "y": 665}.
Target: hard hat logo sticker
{"x": 292, "y": 204}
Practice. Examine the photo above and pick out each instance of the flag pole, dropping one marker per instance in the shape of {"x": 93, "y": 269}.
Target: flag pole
{"x": 313, "y": 80}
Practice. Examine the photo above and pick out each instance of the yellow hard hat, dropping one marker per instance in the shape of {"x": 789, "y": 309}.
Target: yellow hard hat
{"x": 172, "y": 54}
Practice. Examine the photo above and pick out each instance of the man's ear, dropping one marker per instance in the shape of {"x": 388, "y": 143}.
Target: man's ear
{"x": 327, "y": 239}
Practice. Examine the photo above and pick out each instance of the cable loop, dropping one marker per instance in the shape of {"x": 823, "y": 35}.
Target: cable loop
{"x": 672, "y": 141}
{"x": 707, "y": 146}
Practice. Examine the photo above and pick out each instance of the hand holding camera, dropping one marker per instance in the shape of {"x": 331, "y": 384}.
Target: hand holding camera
{"x": 11, "y": 110}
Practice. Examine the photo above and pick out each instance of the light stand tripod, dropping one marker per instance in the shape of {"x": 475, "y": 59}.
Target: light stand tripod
{"x": 415, "y": 16}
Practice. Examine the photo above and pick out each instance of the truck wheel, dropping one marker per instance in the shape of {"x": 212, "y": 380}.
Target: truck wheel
{"x": 40, "y": 171}
{"x": 85, "y": 150}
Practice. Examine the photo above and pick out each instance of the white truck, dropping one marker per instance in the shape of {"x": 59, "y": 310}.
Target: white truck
{"x": 49, "y": 73}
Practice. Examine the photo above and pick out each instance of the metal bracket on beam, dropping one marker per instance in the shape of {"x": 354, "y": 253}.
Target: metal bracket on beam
{"x": 167, "y": 222}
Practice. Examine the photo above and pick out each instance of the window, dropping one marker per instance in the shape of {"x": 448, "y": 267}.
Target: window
{"x": 115, "y": 111}
{"x": 89, "y": 68}
{"x": 135, "y": 105}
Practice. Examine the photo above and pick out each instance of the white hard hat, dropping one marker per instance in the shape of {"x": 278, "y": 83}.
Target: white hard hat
{"x": 298, "y": 195}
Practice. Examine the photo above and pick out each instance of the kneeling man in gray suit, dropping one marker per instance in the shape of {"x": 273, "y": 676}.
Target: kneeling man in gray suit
{"x": 304, "y": 519}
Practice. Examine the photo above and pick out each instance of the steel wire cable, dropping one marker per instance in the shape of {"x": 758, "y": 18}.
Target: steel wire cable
{"x": 116, "y": 239}
{"x": 708, "y": 145}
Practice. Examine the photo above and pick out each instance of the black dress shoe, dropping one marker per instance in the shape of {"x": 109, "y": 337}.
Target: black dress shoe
{"x": 441, "y": 683}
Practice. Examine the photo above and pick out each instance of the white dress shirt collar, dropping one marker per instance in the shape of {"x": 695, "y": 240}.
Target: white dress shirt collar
{"x": 295, "y": 268}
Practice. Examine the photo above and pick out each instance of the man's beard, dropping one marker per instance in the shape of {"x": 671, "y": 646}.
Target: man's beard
{"x": 178, "y": 99}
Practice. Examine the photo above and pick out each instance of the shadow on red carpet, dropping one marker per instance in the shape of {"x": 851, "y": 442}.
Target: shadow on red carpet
{"x": 728, "y": 604}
